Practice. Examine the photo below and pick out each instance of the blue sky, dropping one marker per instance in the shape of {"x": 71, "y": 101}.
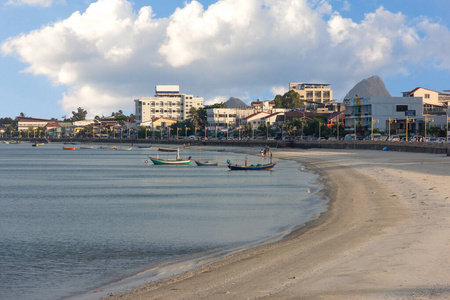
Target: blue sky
{"x": 57, "y": 55}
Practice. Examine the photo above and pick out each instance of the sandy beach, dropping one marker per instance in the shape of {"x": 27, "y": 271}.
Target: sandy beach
{"x": 386, "y": 235}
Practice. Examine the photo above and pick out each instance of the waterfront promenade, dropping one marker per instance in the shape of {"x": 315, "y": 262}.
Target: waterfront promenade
{"x": 386, "y": 235}
{"x": 436, "y": 148}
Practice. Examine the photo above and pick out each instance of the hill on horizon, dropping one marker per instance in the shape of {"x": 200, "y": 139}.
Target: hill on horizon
{"x": 369, "y": 87}
{"x": 235, "y": 103}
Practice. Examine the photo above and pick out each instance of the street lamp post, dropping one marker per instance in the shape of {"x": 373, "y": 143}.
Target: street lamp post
{"x": 448, "y": 119}
{"x": 426, "y": 119}
{"x": 320, "y": 125}
{"x": 185, "y": 132}
{"x": 389, "y": 127}
{"x": 408, "y": 120}
{"x": 374, "y": 121}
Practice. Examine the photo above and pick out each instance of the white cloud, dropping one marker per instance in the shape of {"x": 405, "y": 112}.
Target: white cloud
{"x": 279, "y": 90}
{"x": 217, "y": 99}
{"x": 111, "y": 53}
{"x": 45, "y": 3}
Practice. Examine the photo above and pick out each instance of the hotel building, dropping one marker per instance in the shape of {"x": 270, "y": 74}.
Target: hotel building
{"x": 167, "y": 103}
{"x": 313, "y": 93}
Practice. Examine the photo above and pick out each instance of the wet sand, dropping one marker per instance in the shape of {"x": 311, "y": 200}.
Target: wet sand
{"x": 386, "y": 235}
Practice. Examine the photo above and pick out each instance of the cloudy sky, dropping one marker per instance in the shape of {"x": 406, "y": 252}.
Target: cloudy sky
{"x": 57, "y": 55}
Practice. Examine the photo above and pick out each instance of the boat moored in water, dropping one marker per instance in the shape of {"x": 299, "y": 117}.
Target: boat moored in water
{"x": 177, "y": 161}
{"x": 124, "y": 149}
{"x": 168, "y": 149}
{"x": 206, "y": 163}
{"x": 69, "y": 148}
{"x": 257, "y": 167}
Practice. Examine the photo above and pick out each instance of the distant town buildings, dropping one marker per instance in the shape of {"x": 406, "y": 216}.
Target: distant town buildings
{"x": 379, "y": 111}
{"x": 313, "y": 93}
{"x": 417, "y": 108}
{"x": 167, "y": 103}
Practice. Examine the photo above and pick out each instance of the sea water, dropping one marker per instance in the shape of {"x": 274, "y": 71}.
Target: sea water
{"x": 74, "y": 221}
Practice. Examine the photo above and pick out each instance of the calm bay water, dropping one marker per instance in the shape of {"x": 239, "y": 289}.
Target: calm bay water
{"x": 73, "y": 221}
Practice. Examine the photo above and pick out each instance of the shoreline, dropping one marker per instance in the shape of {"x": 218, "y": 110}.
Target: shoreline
{"x": 357, "y": 248}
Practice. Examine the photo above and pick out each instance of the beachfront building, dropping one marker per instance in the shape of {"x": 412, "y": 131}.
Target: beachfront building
{"x": 167, "y": 103}
{"x": 313, "y": 93}
{"x": 435, "y": 106}
{"x": 382, "y": 112}
{"x": 223, "y": 118}
{"x": 25, "y": 123}
{"x": 434, "y": 103}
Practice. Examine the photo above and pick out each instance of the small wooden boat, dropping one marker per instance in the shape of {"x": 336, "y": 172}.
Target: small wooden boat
{"x": 37, "y": 144}
{"x": 257, "y": 167}
{"x": 69, "y": 148}
{"x": 86, "y": 147}
{"x": 107, "y": 147}
{"x": 206, "y": 163}
{"x": 168, "y": 149}
{"x": 176, "y": 161}
{"x": 124, "y": 149}
{"x": 144, "y": 146}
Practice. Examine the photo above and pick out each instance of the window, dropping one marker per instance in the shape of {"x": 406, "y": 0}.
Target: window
{"x": 427, "y": 96}
{"x": 402, "y": 108}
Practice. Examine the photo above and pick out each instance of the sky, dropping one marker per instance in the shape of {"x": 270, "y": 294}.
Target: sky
{"x": 58, "y": 55}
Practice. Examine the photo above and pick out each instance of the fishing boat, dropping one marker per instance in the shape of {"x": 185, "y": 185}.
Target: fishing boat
{"x": 206, "y": 163}
{"x": 144, "y": 146}
{"x": 168, "y": 149}
{"x": 257, "y": 167}
{"x": 69, "y": 148}
{"x": 36, "y": 144}
{"x": 86, "y": 147}
{"x": 124, "y": 149}
{"x": 177, "y": 161}
{"x": 107, "y": 147}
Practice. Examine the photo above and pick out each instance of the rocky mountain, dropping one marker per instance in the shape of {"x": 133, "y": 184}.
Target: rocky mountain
{"x": 369, "y": 87}
{"x": 235, "y": 103}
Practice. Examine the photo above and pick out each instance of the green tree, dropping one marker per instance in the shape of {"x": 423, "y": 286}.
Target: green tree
{"x": 290, "y": 99}
{"x": 79, "y": 115}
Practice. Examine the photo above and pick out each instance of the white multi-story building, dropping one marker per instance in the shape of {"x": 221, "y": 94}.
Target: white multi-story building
{"x": 379, "y": 112}
{"x": 167, "y": 103}
{"x": 227, "y": 117}
{"x": 25, "y": 123}
{"x": 313, "y": 92}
